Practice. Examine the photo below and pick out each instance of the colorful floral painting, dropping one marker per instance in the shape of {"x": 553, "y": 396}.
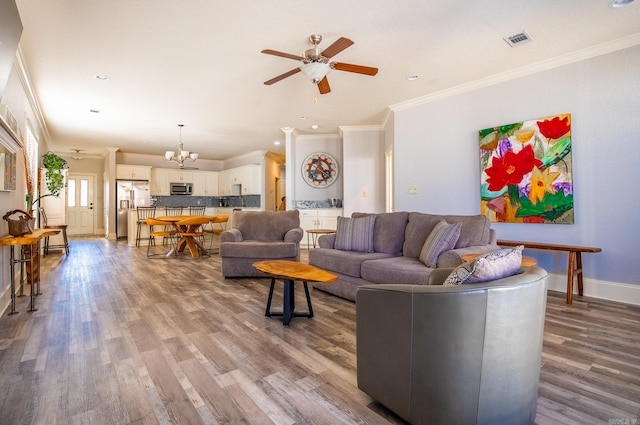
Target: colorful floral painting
{"x": 526, "y": 171}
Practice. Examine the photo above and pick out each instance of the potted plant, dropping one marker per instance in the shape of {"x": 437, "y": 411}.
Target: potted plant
{"x": 53, "y": 178}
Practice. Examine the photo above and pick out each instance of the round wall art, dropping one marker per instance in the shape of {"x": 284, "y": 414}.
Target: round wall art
{"x": 319, "y": 170}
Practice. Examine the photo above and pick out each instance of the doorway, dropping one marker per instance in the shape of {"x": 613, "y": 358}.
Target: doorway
{"x": 80, "y": 203}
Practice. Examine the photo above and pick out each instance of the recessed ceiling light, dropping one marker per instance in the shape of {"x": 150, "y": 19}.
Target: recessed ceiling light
{"x": 620, "y": 3}
{"x": 412, "y": 77}
{"x": 314, "y": 127}
{"x": 94, "y": 111}
{"x": 277, "y": 142}
{"x": 102, "y": 77}
{"x": 302, "y": 117}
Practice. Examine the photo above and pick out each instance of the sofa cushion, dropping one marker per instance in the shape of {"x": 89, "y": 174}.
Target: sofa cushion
{"x": 475, "y": 231}
{"x": 442, "y": 238}
{"x": 396, "y": 270}
{"x": 388, "y": 232}
{"x": 491, "y": 266}
{"x": 265, "y": 225}
{"x": 259, "y": 249}
{"x": 355, "y": 234}
{"x": 418, "y": 229}
{"x": 344, "y": 262}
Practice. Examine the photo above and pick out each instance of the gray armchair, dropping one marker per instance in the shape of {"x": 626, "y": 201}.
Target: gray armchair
{"x": 465, "y": 354}
{"x": 256, "y": 236}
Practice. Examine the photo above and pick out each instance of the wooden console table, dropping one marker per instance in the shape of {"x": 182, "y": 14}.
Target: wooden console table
{"x": 32, "y": 257}
{"x": 574, "y": 266}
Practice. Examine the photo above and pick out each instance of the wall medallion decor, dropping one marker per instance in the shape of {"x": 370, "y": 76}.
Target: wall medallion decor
{"x": 319, "y": 170}
{"x": 526, "y": 171}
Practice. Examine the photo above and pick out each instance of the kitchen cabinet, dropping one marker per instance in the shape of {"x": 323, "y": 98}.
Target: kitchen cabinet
{"x": 251, "y": 180}
{"x": 180, "y": 176}
{"x": 160, "y": 182}
{"x": 133, "y": 172}
{"x": 248, "y": 177}
{"x": 318, "y": 219}
{"x": 205, "y": 183}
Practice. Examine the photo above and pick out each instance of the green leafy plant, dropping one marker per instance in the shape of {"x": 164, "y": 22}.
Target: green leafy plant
{"x": 53, "y": 177}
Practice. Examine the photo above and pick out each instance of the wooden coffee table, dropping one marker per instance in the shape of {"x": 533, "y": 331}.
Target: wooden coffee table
{"x": 289, "y": 272}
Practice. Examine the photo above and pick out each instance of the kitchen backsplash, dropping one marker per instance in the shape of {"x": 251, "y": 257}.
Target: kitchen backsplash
{"x": 248, "y": 201}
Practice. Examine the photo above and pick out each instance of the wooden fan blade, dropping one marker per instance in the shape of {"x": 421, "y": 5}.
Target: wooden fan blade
{"x": 282, "y": 76}
{"x": 282, "y": 54}
{"x": 358, "y": 69}
{"x": 337, "y": 46}
{"x": 323, "y": 86}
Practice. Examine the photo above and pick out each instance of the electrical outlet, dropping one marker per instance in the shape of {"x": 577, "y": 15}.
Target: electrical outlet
{"x": 413, "y": 190}
{"x": 364, "y": 194}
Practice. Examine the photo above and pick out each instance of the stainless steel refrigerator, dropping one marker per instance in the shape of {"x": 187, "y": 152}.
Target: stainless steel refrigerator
{"x": 129, "y": 195}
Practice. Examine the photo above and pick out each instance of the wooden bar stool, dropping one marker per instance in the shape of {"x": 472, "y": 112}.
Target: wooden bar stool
{"x": 62, "y": 227}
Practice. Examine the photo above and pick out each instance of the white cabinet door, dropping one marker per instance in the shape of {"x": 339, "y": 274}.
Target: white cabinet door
{"x": 180, "y": 176}
{"x": 199, "y": 183}
{"x": 133, "y": 172}
{"x": 251, "y": 180}
{"x": 224, "y": 187}
{"x": 205, "y": 183}
{"x": 317, "y": 219}
{"x": 160, "y": 182}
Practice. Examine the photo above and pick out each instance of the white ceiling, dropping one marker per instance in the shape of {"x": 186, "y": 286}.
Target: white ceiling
{"x": 198, "y": 62}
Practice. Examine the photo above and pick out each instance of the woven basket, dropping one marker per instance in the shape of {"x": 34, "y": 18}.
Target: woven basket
{"x": 22, "y": 225}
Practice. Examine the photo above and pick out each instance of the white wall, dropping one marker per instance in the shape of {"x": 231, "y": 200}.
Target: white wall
{"x": 363, "y": 169}
{"x": 436, "y": 150}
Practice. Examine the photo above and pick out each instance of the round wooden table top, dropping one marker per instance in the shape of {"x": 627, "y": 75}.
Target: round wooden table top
{"x": 321, "y": 231}
{"x": 293, "y": 270}
{"x": 526, "y": 261}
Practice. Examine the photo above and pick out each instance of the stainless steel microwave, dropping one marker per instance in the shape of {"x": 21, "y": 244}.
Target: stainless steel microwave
{"x": 181, "y": 188}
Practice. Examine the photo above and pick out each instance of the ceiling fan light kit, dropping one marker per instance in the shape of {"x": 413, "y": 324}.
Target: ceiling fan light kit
{"x": 316, "y": 65}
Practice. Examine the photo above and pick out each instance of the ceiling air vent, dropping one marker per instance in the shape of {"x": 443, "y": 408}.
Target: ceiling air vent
{"x": 518, "y": 39}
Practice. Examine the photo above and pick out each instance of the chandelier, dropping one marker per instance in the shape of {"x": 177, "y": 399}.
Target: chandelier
{"x": 182, "y": 155}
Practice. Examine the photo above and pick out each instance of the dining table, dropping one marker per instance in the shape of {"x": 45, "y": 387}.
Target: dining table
{"x": 189, "y": 230}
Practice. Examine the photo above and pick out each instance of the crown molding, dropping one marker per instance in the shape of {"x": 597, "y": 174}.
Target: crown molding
{"x": 577, "y": 56}
{"x": 353, "y": 128}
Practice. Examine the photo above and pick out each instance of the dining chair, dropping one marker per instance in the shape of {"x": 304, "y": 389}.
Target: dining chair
{"x": 173, "y": 211}
{"x": 218, "y": 225}
{"x": 193, "y": 229}
{"x": 158, "y": 229}
{"x": 143, "y": 214}
{"x": 196, "y": 210}
{"x": 62, "y": 227}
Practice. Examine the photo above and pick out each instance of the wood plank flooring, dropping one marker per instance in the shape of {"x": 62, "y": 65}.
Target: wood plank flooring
{"x": 120, "y": 339}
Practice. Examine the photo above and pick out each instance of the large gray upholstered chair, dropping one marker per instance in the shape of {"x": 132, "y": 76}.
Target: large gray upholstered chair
{"x": 461, "y": 354}
{"x": 257, "y": 236}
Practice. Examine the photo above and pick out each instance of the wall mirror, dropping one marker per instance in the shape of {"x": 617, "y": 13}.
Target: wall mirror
{"x": 9, "y": 147}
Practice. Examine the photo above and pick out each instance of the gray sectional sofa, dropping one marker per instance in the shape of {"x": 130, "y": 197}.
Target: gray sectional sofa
{"x": 398, "y": 238}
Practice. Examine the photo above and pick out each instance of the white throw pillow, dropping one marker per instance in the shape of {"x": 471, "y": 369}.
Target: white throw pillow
{"x": 491, "y": 266}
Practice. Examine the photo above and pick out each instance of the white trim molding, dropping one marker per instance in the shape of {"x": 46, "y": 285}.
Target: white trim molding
{"x": 613, "y": 291}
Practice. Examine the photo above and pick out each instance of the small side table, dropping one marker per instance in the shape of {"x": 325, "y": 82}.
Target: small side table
{"x": 289, "y": 272}
{"x": 27, "y": 243}
{"x": 315, "y": 233}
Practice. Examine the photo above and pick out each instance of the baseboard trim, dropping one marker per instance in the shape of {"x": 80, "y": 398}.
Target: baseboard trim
{"x": 613, "y": 291}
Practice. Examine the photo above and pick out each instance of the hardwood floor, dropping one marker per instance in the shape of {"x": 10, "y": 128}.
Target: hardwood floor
{"x": 119, "y": 338}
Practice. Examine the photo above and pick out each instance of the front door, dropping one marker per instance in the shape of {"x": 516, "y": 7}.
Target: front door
{"x": 80, "y": 204}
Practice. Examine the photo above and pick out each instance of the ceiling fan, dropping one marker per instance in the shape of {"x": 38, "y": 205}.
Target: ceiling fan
{"x": 77, "y": 154}
{"x": 316, "y": 65}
